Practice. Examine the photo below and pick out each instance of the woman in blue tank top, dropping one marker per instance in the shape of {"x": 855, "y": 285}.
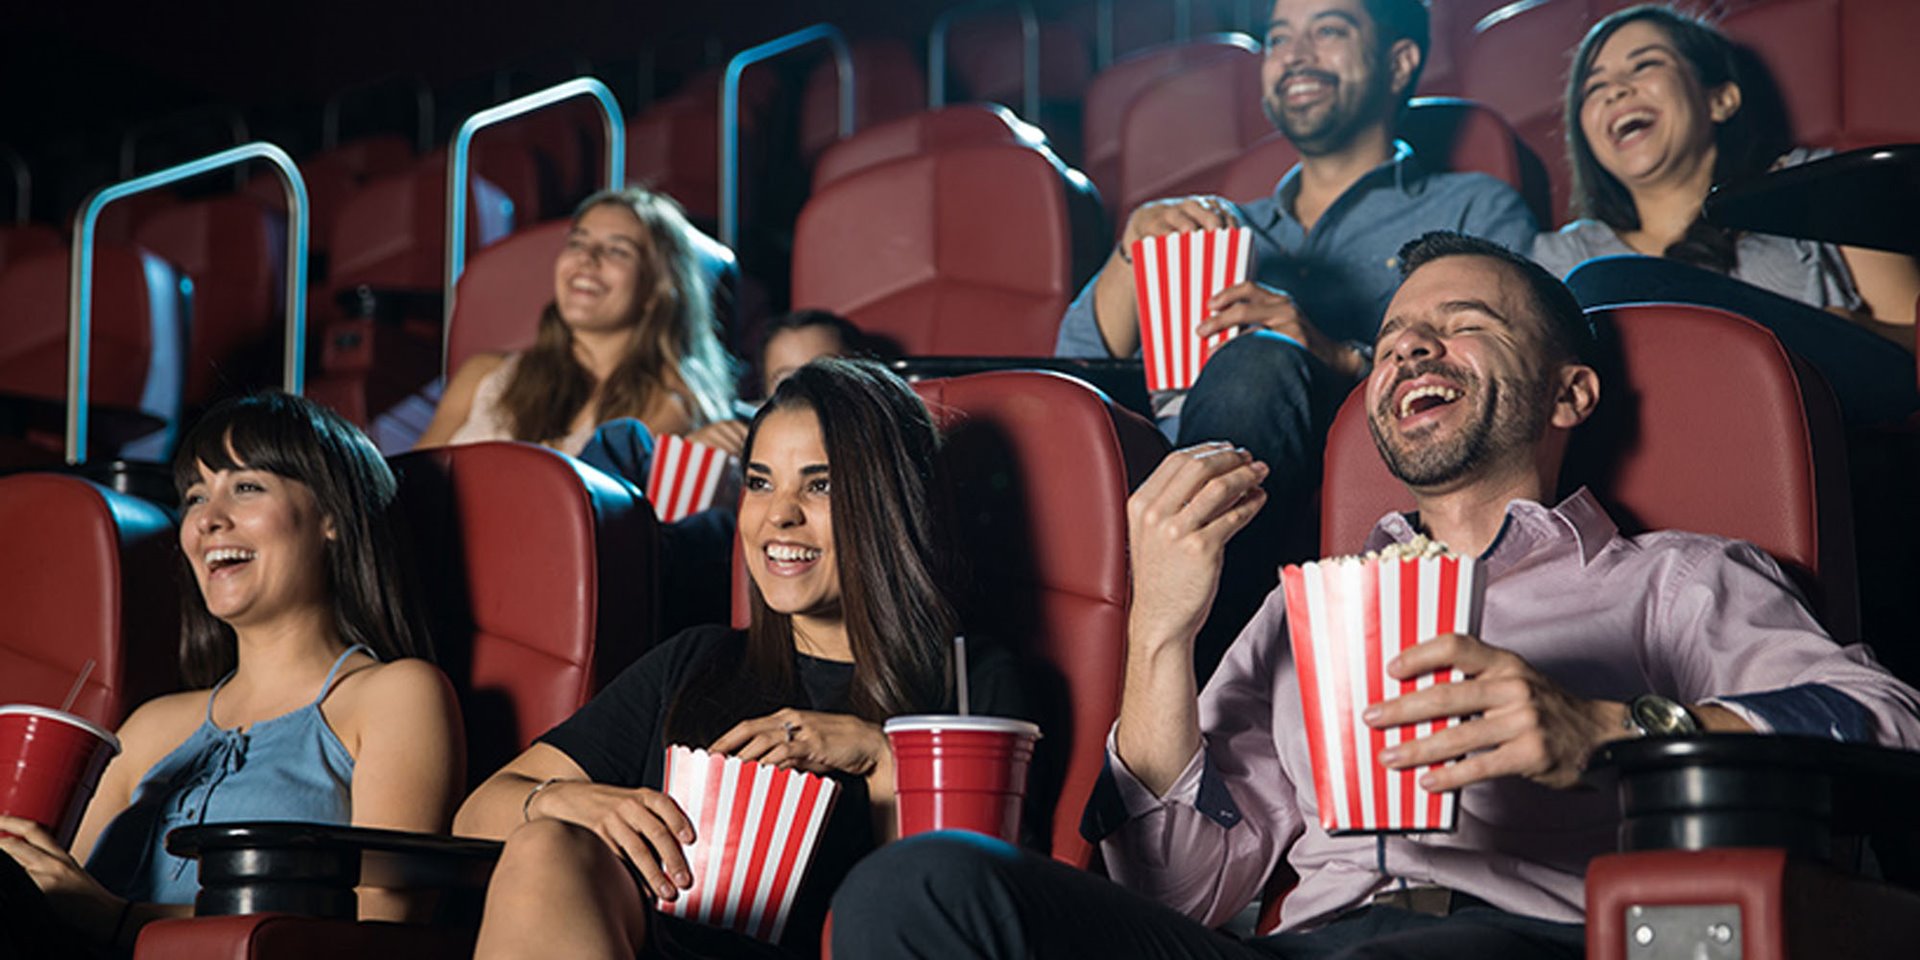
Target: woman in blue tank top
{"x": 311, "y": 701}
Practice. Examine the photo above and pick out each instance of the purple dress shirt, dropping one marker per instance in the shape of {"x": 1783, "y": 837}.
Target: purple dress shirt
{"x": 1696, "y": 618}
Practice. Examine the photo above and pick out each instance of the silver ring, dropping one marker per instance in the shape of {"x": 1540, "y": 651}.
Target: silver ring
{"x": 788, "y": 726}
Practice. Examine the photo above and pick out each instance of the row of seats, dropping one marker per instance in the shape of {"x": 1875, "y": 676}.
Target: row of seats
{"x": 527, "y": 547}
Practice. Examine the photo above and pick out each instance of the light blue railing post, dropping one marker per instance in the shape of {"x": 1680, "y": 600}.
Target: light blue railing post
{"x": 730, "y": 109}
{"x": 1029, "y": 54}
{"x": 614, "y": 124}
{"x": 80, "y": 274}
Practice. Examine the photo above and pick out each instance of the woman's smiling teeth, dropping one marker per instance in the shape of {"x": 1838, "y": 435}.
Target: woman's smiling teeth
{"x": 1423, "y": 398}
{"x": 792, "y": 553}
{"x": 1628, "y": 124}
{"x": 224, "y": 557}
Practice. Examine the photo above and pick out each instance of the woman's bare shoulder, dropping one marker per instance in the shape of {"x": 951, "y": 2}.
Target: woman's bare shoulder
{"x": 160, "y": 724}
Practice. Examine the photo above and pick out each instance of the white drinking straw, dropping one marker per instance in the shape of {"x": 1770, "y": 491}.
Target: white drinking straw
{"x": 960, "y": 670}
{"x": 73, "y": 694}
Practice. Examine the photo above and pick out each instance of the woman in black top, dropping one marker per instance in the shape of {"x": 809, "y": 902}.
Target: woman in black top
{"x": 844, "y": 540}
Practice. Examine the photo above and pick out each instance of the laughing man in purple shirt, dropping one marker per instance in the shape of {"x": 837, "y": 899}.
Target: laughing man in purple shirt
{"x": 1207, "y": 791}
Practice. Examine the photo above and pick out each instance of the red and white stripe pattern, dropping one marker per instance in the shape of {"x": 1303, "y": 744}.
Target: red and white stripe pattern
{"x": 755, "y": 828}
{"x": 1348, "y": 618}
{"x": 1173, "y": 277}
{"x": 683, "y": 477}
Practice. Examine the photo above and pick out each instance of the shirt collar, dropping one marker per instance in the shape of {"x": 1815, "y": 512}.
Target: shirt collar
{"x": 1403, "y": 168}
{"x": 1528, "y": 524}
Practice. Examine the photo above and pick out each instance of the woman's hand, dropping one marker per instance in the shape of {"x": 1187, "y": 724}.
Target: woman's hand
{"x": 76, "y": 897}
{"x": 727, "y": 435}
{"x": 814, "y": 742}
{"x": 645, "y": 826}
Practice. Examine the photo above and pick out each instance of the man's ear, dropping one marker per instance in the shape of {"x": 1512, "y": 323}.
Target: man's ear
{"x": 1403, "y": 58}
{"x": 1723, "y": 102}
{"x": 1577, "y": 394}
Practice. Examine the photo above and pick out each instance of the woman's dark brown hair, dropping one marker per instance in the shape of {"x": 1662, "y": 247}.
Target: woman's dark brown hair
{"x": 292, "y": 437}
{"x": 676, "y": 349}
{"x": 1739, "y": 151}
{"x": 891, "y": 546}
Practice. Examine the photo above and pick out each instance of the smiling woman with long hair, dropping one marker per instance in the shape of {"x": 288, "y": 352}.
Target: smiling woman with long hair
{"x": 630, "y": 333}
{"x": 845, "y": 538}
{"x": 311, "y": 699}
{"x": 1656, "y": 115}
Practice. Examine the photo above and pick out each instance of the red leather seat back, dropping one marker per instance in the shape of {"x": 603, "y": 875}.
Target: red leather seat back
{"x": 392, "y": 233}
{"x": 1875, "y": 38}
{"x": 1182, "y": 133}
{"x": 498, "y": 301}
{"x": 139, "y": 329}
{"x": 1115, "y": 89}
{"x": 19, "y": 241}
{"x": 85, "y": 574}
{"x": 505, "y": 160}
{"x": 1446, "y": 133}
{"x": 539, "y": 578}
{"x": 969, "y": 251}
{"x": 332, "y": 177}
{"x": 1748, "y": 446}
{"x": 889, "y": 84}
{"x": 1041, "y": 466}
{"x": 673, "y": 147}
{"x": 1799, "y": 40}
{"x": 234, "y": 249}
{"x": 929, "y": 131}
{"x": 1518, "y": 68}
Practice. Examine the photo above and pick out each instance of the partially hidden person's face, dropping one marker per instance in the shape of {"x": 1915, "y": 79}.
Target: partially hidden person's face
{"x": 1459, "y": 378}
{"x": 786, "y": 517}
{"x": 603, "y": 271}
{"x": 1644, "y": 112}
{"x": 793, "y": 348}
{"x": 256, "y": 542}
{"x": 1322, "y": 79}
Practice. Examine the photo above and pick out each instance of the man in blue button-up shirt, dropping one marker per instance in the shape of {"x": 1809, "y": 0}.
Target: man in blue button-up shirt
{"x": 1337, "y": 75}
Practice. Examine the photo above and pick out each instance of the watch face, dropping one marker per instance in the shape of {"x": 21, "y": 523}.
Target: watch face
{"x": 1661, "y": 717}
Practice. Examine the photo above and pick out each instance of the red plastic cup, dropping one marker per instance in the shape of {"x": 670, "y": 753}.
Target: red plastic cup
{"x": 960, "y": 773}
{"x": 50, "y": 763}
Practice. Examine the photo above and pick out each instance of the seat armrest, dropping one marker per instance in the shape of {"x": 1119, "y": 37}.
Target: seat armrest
{"x": 311, "y": 869}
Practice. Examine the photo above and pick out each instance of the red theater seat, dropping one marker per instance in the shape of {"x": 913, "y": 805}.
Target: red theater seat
{"x": 19, "y": 241}
{"x": 332, "y": 177}
{"x": 1116, "y": 88}
{"x": 1445, "y": 132}
{"x": 1748, "y": 446}
{"x": 234, "y": 249}
{"x": 1800, "y": 42}
{"x": 1182, "y": 133}
{"x": 929, "y": 131}
{"x": 969, "y": 251}
{"x": 673, "y": 147}
{"x": 1876, "y": 48}
{"x": 1518, "y": 67}
{"x": 86, "y": 574}
{"x": 539, "y": 581}
{"x": 889, "y": 84}
{"x": 985, "y": 53}
{"x": 140, "y": 322}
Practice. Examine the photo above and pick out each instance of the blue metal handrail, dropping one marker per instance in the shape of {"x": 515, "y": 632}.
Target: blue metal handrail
{"x": 80, "y": 273}
{"x": 730, "y": 109}
{"x": 1029, "y": 54}
{"x": 611, "y": 120}
{"x": 1103, "y": 28}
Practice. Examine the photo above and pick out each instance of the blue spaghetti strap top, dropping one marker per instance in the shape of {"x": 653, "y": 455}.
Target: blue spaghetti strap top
{"x": 292, "y": 767}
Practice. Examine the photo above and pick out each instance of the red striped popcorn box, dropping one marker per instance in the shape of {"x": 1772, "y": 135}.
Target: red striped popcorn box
{"x": 1173, "y": 277}
{"x": 755, "y": 828}
{"x": 683, "y": 477}
{"x": 1348, "y": 617}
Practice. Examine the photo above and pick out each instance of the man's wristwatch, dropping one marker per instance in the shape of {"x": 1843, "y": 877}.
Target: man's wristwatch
{"x": 1652, "y": 715}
